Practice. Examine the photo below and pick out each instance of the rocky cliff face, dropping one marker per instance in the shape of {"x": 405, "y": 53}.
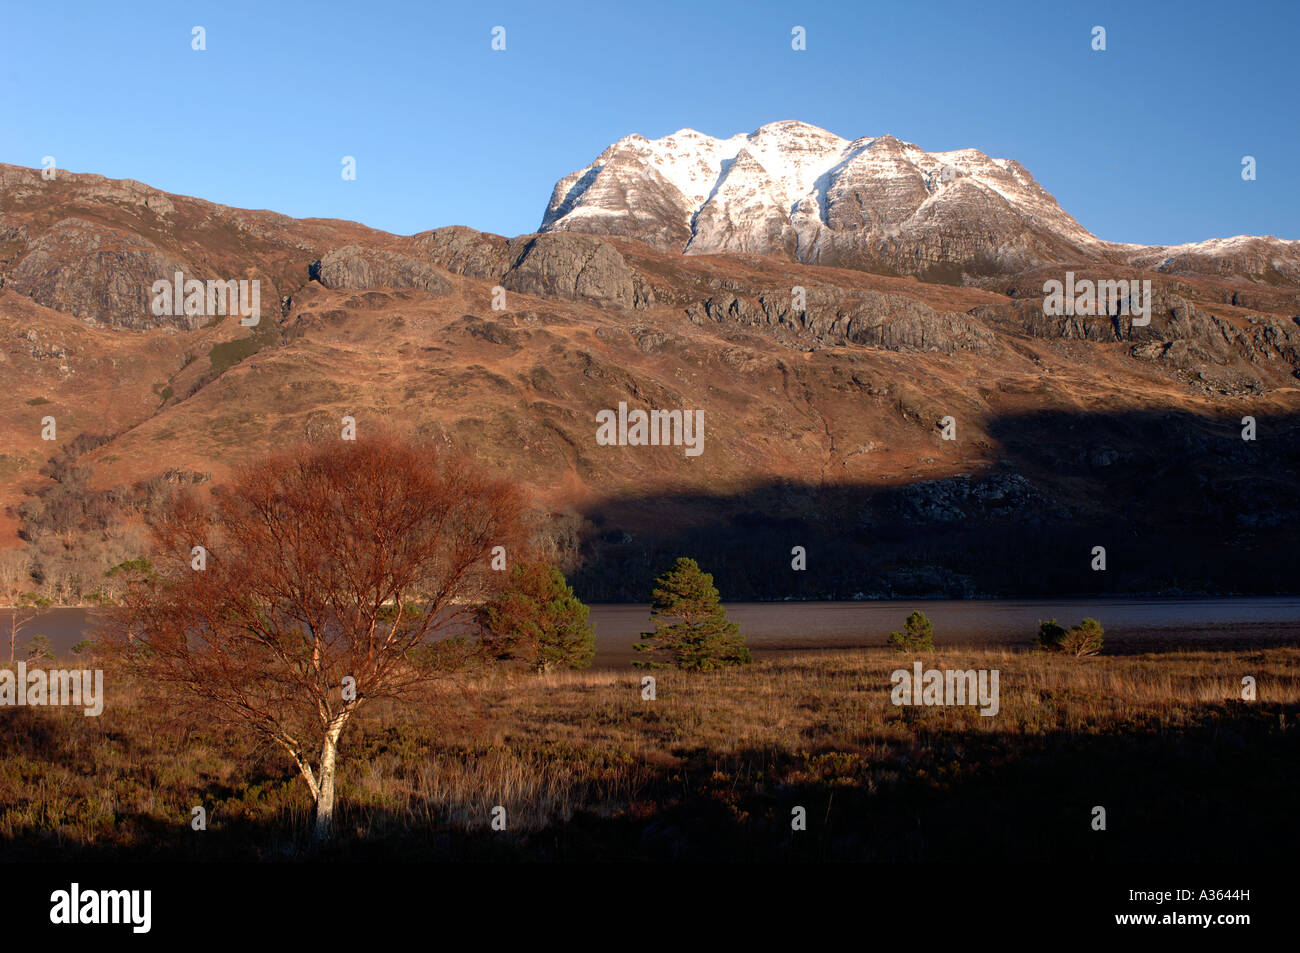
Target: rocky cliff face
{"x": 97, "y": 273}
{"x": 364, "y": 268}
{"x": 834, "y": 316}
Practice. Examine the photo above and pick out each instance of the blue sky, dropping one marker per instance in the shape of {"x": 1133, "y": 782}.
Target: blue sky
{"x": 1142, "y": 142}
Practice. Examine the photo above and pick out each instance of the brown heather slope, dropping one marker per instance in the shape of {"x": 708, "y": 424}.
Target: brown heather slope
{"x": 821, "y": 425}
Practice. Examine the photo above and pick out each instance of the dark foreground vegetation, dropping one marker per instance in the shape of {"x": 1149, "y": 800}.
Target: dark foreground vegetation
{"x": 712, "y": 769}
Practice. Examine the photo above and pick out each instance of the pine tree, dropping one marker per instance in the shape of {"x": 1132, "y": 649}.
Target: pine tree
{"x": 1084, "y": 639}
{"x": 691, "y": 627}
{"x": 917, "y": 634}
{"x": 536, "y": 617}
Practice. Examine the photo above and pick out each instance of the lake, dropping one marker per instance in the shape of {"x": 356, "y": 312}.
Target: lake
{"x": 771, "y": 627}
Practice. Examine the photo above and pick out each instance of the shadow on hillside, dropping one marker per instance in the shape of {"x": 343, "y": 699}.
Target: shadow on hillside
{"x": 1181, "y": 503}
{"x": 1195, "y": 793}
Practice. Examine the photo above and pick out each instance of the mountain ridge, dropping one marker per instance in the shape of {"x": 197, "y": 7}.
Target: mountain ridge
{"x": 874, "y": 203}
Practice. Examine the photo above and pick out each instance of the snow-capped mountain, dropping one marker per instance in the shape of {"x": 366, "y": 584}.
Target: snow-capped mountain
{"x": 793, "y": 188}
{"x": 879, "y": 204}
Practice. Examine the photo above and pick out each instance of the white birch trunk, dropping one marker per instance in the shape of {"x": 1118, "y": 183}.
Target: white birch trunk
{"x": 325, "y": 781}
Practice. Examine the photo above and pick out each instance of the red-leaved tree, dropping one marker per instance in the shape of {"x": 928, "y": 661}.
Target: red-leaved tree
{"x": 322, "y": 568}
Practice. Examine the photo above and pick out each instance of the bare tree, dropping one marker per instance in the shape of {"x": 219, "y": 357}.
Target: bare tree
{"x": 15, "y": 578}
{"x": 322, "y": 568}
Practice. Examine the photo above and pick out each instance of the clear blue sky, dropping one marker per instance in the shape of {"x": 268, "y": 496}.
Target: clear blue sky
{"x": 1141, "y": 143}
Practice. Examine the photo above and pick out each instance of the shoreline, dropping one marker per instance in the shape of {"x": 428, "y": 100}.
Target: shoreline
{"x": 1117, "y": 598}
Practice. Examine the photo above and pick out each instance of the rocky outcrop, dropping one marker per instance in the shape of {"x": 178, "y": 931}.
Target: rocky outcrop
{"x": 837, "y": 316}
{"x": 1264, "y": 259}
{"x": 1216, "y": 339}
{"x": 464, "y": 251}
{"x": 582, "y": 267}
{"x": 962, "y": 499}
{"x": 91, "y": 246}
{"x": 354, "y": 267}
{"x": 572, "y": 266}
{"x": 100, "y": 274}
{"x": 19, "y": 184}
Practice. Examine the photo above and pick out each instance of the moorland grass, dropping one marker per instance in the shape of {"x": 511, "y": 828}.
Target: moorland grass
{"x": 713, "y": 768}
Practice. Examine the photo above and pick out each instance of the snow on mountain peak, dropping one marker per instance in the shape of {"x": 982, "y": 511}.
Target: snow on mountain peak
{"x": 784, "y": 186}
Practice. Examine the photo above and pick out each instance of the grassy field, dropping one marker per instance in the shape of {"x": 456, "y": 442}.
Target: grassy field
{"x": 710, "y": 770}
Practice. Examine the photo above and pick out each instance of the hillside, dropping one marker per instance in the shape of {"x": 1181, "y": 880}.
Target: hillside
{"x": 822, "y": 421}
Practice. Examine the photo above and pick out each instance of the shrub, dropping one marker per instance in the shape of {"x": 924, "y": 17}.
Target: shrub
{"x": 140, "y": 564}
{"x": 917, "y": 634}
{"x": 1079, "y": 640}
{"x": 1050, "y": 634}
